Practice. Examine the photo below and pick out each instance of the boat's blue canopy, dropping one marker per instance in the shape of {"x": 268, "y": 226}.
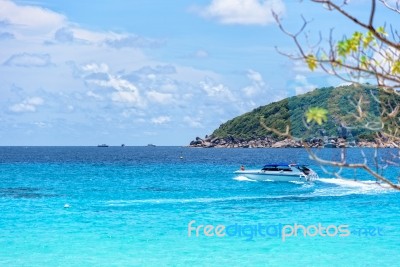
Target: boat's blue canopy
{"x": 278, "y": 164}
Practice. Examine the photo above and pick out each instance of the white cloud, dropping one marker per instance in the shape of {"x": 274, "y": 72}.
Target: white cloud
{"x": 250, "y": 91}
{"x": 93, "y": 37}
{"x": 70, "y": 34}
{"x": 243, "y": 11}
{"x": 126, "y": 97}
{"x": 41, "y": 124}
{"x": 30, "y": 20}
{"x": 257, "y": 84}
{"x": 64, "y": 35}
{"x": 28, "y": 105}
{"x": 95, "y": 68}
{"x": 193, "y": 122}
{"x": 160, "y": 120}
{"x": 29, "y": 60}
{"x": 117, "y": 83}
{"x": 302, "y": 85}
{"x": 255, "y": 77}
{"x": 99, "y": 74}
{"x": 98, "y": 77}
{"x": 94, "y": 95}
{"x": 37, "y": 101}
{"x": 158, "y": 69}
{"x": 217, "y": 90}
{"x": 169, "y": 86}
{"x": 121, "y": 41}
{"x": 157, "y": 97}
{"x": 37, "y": 24}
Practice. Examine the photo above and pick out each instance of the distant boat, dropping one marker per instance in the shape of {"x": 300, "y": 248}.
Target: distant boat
{"x": 102, "y": 145}
{"x": 151, "y": 145}
{"x": 123, "y": 145}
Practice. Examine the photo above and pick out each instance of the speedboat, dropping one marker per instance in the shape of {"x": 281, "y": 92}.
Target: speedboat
{"x": 281, "y": 172}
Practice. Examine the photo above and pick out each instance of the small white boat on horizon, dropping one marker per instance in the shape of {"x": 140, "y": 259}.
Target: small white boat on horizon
{"x": 281, "y": 172}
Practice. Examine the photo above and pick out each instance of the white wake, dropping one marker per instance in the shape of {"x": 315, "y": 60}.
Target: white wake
{"x": 347, "y": 187}
{"x": 341, "y": 187}
{"x": 243, "y": 179}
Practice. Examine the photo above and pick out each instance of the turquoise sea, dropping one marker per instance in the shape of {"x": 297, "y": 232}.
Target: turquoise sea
{"x": 143, "y": 206}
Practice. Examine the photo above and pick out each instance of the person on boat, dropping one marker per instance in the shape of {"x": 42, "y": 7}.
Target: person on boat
{"x": 242, "y": 168}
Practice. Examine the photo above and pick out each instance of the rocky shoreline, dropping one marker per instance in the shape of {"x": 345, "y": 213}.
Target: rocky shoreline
{"x": 269, "y": 142}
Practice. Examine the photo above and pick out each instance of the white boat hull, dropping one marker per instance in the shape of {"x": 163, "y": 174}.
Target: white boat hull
{"x": 277, "y": 176}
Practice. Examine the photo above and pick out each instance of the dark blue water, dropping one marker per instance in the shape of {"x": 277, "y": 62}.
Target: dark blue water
{"x": 131, "y": 206}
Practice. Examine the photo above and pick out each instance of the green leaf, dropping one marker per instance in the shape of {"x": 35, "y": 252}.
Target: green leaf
{"x": 352, "y": 45}
{"x": 357, "y": 35}
{"x": 381, "y": 30}
{"x": 342, "y": 48}
{"x": 364, "y": 61}
{"x": 311, "y": 61}
{"x": 368, "y": 39}
{"x": 319, "y": 115}
{"x": 396, "y": 67}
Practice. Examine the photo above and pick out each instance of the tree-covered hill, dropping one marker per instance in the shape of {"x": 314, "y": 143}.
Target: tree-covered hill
{"x": 353, "y": 108}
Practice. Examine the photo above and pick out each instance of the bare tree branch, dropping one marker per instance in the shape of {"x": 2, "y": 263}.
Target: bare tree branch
{"x": 352, "y": 166}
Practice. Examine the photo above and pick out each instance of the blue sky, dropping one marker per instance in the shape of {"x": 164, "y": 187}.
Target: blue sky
{"x": 147, "y": 71}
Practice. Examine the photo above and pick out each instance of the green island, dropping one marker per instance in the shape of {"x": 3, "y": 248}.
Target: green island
{"x": 357, "y": 116}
